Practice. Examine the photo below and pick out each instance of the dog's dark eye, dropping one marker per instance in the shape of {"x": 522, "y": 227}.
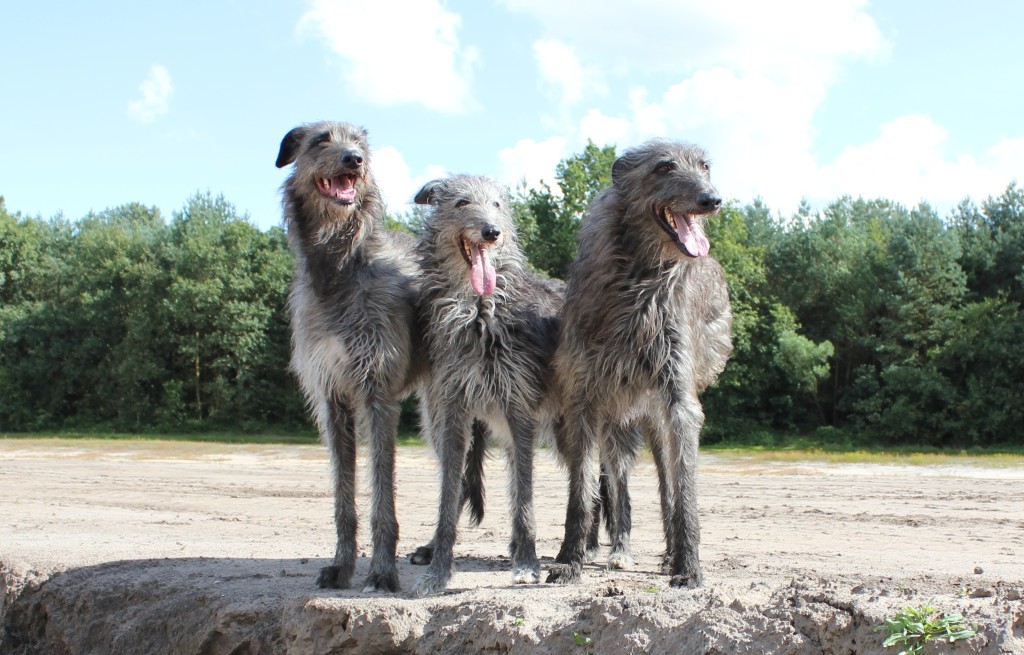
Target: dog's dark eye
{"x": 497, "y": 205}
{"x": 322, "y": 138}
{"x": 665, "y": 167}
{"x": 459, "y": 204}
{"x": 706, "y": 166}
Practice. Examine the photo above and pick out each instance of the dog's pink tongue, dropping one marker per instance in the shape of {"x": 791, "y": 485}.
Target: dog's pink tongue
{"x": 481, "y": 273}
{"x": 692, "y": 236}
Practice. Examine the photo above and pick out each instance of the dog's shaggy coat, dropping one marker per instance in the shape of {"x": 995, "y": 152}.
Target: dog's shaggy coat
{"x": 645, "y": 328}
{"x": 354, "y": 328}
{"x": 490, "y": 328}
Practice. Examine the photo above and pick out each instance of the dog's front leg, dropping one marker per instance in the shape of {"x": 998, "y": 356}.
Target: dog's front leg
{"x": 450, "y": 429}
{"x": 575, "y": 438}
{"x": 339, "y": 432}
{"x": 525, "y": 565}
{"x": 382, "y": 424}
{"x": 686, "y": 420}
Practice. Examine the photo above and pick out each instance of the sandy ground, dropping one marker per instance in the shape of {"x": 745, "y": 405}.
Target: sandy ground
{"x": 256, "y": 520}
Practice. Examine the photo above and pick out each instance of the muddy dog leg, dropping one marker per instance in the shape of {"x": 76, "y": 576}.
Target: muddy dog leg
{"x": 686, "y": 419}
{"x": 340, "y": 434}
{"x": 576, "y": 442}
{"x": 523, "y": 548}
{"x": 451, "y": 432}
{"x": 382, "y": 418}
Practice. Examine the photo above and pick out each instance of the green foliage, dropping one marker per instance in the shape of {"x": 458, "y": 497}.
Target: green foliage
{"x": 547, "y": 222}
{"x": 122, "y": 321}
{"x": 864, "y": 324}
{"x": 914, "y": 628}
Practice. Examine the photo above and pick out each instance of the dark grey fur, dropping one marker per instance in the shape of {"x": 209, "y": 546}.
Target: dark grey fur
{"x": 490, "y": 357}
{"x": 646, "y": 328}
{"x": 354, "y": 334}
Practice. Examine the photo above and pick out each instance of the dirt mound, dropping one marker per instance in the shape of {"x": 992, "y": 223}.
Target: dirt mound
{"x": 154, "y": 548}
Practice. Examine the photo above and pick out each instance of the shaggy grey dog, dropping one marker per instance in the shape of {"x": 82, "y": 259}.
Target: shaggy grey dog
{"x": 354, "y": 328}
{"x": 646, "y": 328}
{"x": 490, "y": 329}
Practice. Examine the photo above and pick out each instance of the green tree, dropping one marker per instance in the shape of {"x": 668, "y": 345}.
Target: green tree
{"x": 226, "y": 288}
{"x": 548, "y": 222}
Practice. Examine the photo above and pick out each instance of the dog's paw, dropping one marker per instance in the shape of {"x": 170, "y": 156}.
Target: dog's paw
{"x": 687, "y": 581}
{"x": 386, "y": 582}
{"x": 334, "y": 577}
{"x": 429, "y": 585}
{"x": 422, "y": 556}
{"x": 620, "y": 561}
{"x": 526, "y": 575}
{"x": 565, "y": 573}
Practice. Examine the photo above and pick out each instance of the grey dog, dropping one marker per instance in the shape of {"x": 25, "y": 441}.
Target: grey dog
{"x": 354, "y": 329}
{"x": 490, "y": 329}
{"x": 645, "y": 329}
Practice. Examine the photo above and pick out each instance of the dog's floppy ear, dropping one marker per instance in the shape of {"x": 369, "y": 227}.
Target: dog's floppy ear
{"x": 622, "y": 166}
{"x": 290, "y": 146}
{"x": 429, "y": 193}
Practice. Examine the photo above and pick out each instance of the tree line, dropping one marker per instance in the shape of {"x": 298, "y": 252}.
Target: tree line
{"x": 864, "y": 323}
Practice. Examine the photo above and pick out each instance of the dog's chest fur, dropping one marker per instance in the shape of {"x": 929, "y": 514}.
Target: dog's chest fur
{"x": 486, "y": 349}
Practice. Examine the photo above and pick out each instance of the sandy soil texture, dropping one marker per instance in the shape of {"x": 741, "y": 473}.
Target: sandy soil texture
{"x": 160, "y": 547}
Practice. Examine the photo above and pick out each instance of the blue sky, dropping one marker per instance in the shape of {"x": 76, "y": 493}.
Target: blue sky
{"x": 112, "y": 102}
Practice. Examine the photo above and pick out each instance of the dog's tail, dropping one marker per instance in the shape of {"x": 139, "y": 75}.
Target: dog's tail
{"x": 473, "y": 475}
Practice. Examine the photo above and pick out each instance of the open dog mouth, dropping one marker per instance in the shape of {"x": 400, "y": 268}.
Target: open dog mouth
{"x": 686, "y": 231}
{"x": 341, "y": 188}
{"x": 481, "y": 269}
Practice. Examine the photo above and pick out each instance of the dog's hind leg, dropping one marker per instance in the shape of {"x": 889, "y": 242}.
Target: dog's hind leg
{"x": 450, "y": 429}
{"x": 622, "y": 444}
{"x": 339, "y": 432}
{"x": 523, "y": 548}
{"x": 601, "y": 504}
{"x": 382, "y": 420}
{"x": 655, "y": 441}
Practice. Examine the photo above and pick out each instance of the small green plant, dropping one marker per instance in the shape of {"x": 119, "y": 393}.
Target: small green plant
{"x": 652, "y": 590}
{"x": 913, "y": 628}
{"x": 519, "y": 622}
{"x": 580, "y": 639}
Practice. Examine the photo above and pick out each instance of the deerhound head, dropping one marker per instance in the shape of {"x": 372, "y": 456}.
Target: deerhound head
{"x": 332, "y": 164}
{"x": 470, "y": 229}
{"x": 664, "y": 188}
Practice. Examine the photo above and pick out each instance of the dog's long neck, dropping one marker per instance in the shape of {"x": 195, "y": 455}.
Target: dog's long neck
{"x": 332, "y": 238}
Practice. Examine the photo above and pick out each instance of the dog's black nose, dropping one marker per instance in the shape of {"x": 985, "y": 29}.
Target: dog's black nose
{"x": 709, "y": 201}
{"x": 490, "y": 233}
{"x": 352, "y": 159}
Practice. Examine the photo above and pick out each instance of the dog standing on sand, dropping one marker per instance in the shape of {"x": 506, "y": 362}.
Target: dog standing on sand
{"x": 490, "y": 330}
{"x": 645, "y": 329}
{"x": 354, "y": 328}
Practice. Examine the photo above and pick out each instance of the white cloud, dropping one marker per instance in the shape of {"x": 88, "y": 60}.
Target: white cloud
{"x": 531, "y": 161}
{"x": 396, "y": 180}
{"x": 908, "y": 162}
{"x": 746, "y": 79}
{"x": 156, "y": 94}
{"x": 783, "y": 38}
{"x": 563, "y": 74}
{"x": 397, "y": 51}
